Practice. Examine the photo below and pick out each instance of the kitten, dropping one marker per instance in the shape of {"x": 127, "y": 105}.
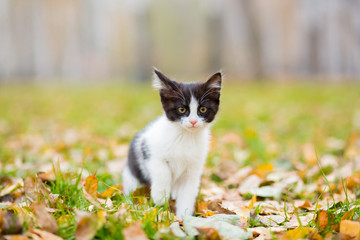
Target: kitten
{"x": 170, "y": 152}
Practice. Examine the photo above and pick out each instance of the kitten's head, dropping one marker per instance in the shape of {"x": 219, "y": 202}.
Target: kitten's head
{"x": 192, "y": 105}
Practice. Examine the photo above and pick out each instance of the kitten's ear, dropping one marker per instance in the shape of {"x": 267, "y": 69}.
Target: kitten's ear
{"x": 214, "y": 81}
{"x": 160, "y": 81}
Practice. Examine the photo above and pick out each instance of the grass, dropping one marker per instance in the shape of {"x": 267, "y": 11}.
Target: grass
{"x": 273, "y": 120}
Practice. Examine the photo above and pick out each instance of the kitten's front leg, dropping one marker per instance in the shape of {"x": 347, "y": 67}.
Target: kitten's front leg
{"x": 160, "y": 182}
{"x": 186, "y": 195}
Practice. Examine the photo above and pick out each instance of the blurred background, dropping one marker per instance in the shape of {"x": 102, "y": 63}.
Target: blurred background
{"x": 117, "y": 40}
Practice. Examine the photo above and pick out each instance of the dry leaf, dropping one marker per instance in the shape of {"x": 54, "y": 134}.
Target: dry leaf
{"x": 110, "y": 191}
{"x": 45, "y": 220}
{"x": 208, "y": 233}
{"x": 272, "y": 220}
{"x": 86, "y": 225}
{"x": 9, "y": 222}
{"x": 305, "y": 205}
{"x": 349, "y": 214}
{"x": 134, "y": 232}
{"x": 46, "y": 176}
{"x": 298, "y": 233}
{"x": 90, "y": 185}
{"x": 37, "y": 234}
{"x": 350, "y": 228}
{"x": 251, "y": 182}
{"x": 35, "y": 189}
{"x": 294, "y": 220}
{"x": 322, "y": 219}
{"x": 261, "y": 233}
{"x": 15, "y": 237}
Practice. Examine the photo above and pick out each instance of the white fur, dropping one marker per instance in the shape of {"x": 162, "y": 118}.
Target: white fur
{"x": 156, "y": 83}
{"x": 177, "y": 158}
{"x": 186, "y": 121}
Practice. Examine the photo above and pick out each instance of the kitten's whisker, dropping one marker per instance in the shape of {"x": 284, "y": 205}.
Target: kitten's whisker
{"x": 182, "y": 95}
{"x": 207, "y": 93}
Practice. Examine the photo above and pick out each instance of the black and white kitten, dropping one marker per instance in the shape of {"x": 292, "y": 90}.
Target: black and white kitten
{"x": 170, "y": 152}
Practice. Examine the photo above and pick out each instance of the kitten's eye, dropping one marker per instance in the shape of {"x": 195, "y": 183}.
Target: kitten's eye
{"x": 203, "y": 109}
{"x": 181, "y": 110}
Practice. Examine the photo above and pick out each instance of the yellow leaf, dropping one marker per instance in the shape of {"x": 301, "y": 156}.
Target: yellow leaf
{"x": 350, "y": 228}
{"x": 110, "y": 191}
{"x": 298, "y": 233}
{"x": 64, "y": 220}
{"x": 209, "y": 213}
{"x": 90, "y": 186}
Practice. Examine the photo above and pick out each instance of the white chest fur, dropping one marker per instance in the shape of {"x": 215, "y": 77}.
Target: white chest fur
{"x": 180, "y": 150}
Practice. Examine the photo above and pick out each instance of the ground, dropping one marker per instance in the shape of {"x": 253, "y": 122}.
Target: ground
{"x": 284, "y": 163}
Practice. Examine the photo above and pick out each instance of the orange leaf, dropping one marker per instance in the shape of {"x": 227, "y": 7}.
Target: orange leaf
{"x": 306, "y": 205}
{"x": 350, "y": 228}
{"x": 322, "y": 219}
{"x": 90, "y": 186}
{"x": 110, "y": 191}
{"x": 348, "y": 215}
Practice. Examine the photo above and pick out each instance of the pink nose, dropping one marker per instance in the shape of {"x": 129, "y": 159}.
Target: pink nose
{"x": 193, "y": 122}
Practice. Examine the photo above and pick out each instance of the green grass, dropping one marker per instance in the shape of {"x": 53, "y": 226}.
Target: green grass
{"x": 273, "y": 120}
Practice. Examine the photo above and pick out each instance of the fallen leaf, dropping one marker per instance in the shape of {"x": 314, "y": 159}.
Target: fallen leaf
{"x": 90, "y": 185}
{"x": 322, "y": 219}
{"x": 45, "y": 220}
{"x": 86, "y": 225}
{"x": 305, "y": 205}
{"x": 298, "y": 233}
{"x": 35, "y": 189}
{"x": 267, "y": 191}
{"x": 263, "y": 169}
{"x": 134, "y": 232}
{"x": 208, "y": 233}
{"x": 350, "y": 228}
{"x": 238, "y": 207}
{"x": 46, "y": 176}
{"x": 15, "y": 237}
{"x": 9, "y": 222}
{"x": 297, "y": 221}
{"x": 110, "y": 191}
{"x": 37, "y": 234}
{"x": 251, "y": 182}
{"x": 272, "y": 220}
{"x": 225, "y": 224}
{"x": 349, "y": 214}
{"x": 14, "y": 184}
{"x": 261, "y": 233}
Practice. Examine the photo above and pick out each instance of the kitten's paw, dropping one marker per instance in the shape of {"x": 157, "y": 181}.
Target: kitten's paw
{"x": 159, "y": 198}
{"x": 182, "y": 212}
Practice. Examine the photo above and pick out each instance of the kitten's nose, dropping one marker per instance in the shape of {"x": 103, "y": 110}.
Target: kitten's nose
{"x": 193, "y": 122}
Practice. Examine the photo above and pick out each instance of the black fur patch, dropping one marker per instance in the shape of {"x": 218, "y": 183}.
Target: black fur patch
{"x": 134, "y": 164}
{"x": 175, "y": 95}
{"x": 145, "y": 150}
